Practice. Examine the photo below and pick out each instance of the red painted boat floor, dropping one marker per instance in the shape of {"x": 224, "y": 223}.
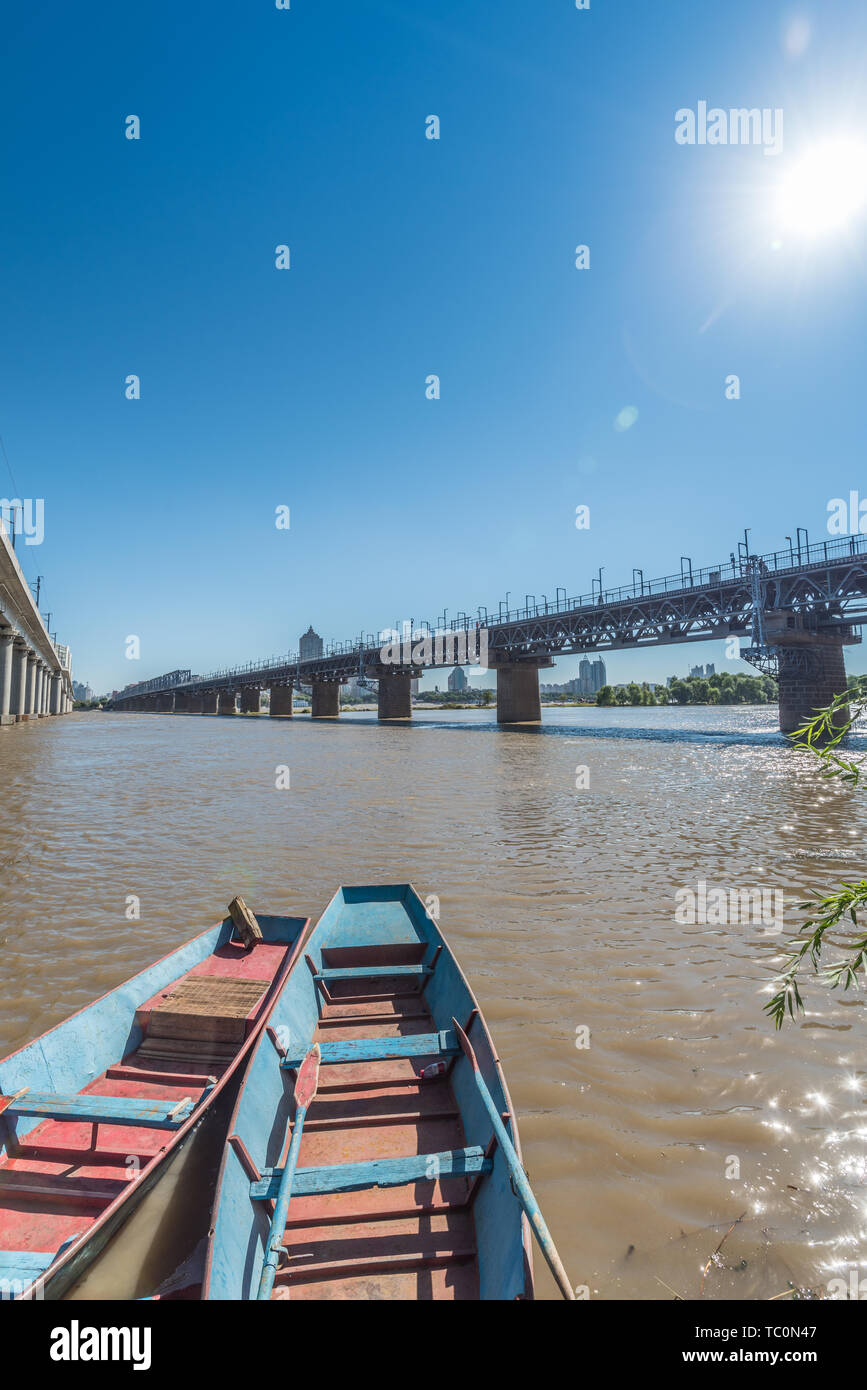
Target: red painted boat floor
{"x": 414, "y": 1242}
{"x": 65, "y": 1173}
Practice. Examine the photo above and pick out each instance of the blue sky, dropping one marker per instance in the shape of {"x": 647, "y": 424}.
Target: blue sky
{"x": 412, "y": 257}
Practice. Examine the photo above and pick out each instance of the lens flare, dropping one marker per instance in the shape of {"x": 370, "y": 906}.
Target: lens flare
{"x": 826, "y": 190}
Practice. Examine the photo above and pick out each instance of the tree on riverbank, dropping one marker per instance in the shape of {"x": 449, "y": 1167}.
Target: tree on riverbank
{"x": 830, "y": 913}
{"x": 721, "y": 689}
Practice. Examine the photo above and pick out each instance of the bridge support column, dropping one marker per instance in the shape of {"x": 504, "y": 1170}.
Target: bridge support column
{"x": 19, "y": 679}
{"x": 518, "y": 697}
{"x": 182, "y": 702}
{"x": 30, "y": 702}
{"x": 55, "y": 695}
{"x": 7, "y": 653}
{"x": 394, "y": 700}
{"x": 165, "y": 703}
{"x": 326, "y": 700}
{"x": 251, "y": 700}
{"x": 281, "y": 701}
{"x": 809, "y": 676}
{"x": 209, "y": 702}
{"x": 226, "y": 702}
{"x": 194, "y": 704}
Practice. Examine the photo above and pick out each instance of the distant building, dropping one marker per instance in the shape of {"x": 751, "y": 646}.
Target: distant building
{"x": 458, "y": 681}
{"x": 599, "y": 675}
{"x": 702, "y": 672}
{"x": 310, "y": 645}
{"x": 81, "y": 691}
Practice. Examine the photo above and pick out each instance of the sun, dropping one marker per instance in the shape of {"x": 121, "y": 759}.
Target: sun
{"x": 825, "y": 190}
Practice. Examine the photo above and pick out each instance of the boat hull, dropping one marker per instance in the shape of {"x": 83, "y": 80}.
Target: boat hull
{"x": 438, "y": 1218}
{"x": 117, "y": 1089}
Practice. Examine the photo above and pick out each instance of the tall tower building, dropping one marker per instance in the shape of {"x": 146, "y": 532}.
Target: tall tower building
{"x": 310, "y": 645}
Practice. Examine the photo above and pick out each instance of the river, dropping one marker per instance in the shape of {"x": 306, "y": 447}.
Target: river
{"x": 556, "y": 854}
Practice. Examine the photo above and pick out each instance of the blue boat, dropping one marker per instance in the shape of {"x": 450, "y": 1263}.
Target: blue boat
{"x": 373, "y": 1152}
{"x": 92, "y": 1112}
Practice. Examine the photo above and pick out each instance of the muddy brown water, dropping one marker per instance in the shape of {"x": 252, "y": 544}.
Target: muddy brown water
{"x": 685, "y": 1114}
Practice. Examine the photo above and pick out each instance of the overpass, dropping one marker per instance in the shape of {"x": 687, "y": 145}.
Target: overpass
{"x": 35, "y": 672}
{"x": 797, "y": 608}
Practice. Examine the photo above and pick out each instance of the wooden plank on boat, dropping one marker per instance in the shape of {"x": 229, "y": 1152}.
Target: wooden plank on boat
{"x": 376, "y": 1172}
{"x": 441, "y": 1044}
{"x": 248, "y": 929}
{"x": 212, "y": 1008}
{"x": 111, "y": 1110}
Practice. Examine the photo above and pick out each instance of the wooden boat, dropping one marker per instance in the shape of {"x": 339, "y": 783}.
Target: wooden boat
{"x": 92, "y": 1111}
{"x": 404, "y": 1189}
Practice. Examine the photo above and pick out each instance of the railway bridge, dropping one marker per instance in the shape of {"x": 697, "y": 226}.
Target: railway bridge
{"x": 795, "y": 610}
{"x": 35, "y": 671}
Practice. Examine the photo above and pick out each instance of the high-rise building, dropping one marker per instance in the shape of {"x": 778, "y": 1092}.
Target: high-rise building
{"x": 599, "y": 675}
{"x": 585, "y": 677}
{"x": 458, "y": 680}
{"x": 310, "y": 645}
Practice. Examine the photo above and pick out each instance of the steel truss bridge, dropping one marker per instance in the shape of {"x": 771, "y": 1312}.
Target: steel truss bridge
{"x": 792, "y": 605}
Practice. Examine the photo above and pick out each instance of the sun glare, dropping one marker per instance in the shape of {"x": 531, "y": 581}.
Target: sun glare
{"x": 825, "y": 190}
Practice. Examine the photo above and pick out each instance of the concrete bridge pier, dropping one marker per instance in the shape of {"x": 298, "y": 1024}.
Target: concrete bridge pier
{"x": 281, "y": 701}
{"x": 326, "y": 700}
{"x": 395, "y": 696}
{"x": 810, "y": 665}
{"x": 7, "y": 654}
{"x": 19, "y": 679}
{"x": 56, "y": 690}
{"x": 226, "y": 702}
{"x": 165, "y": 703}
{"x": 519, "y": 700}
{"x": 182, "y": 702}
{"x": 251, "y": 700}
{"x": 209, "y": 702}
{"x": 809, "y": 676}
{"x": 30, "y": 687}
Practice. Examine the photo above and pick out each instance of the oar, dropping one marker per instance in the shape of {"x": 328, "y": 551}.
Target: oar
{"x": 305, "y": 1090}
{"x": 519, "y": 1177}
